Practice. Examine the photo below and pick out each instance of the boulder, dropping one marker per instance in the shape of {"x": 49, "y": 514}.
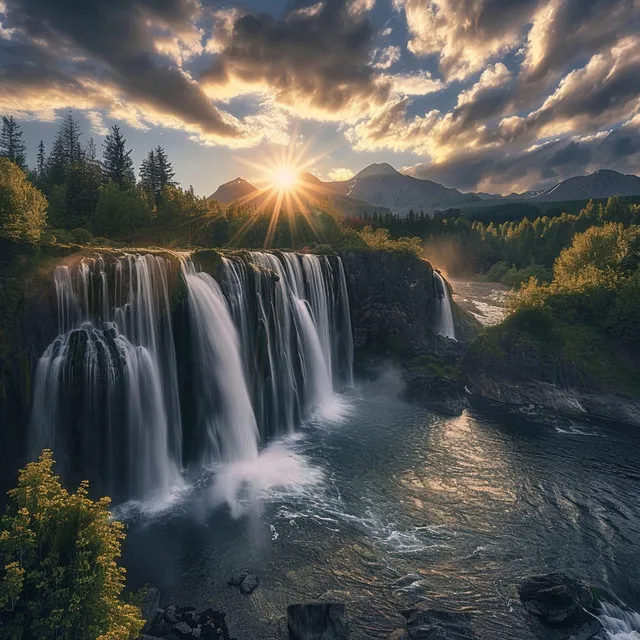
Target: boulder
{"x": 249, "y": 584}
{"x": 317, "y": 621}
{"x": 171, "y": 614}
{"x": 237, "y": 578}
{"x": 399, "y": 634}
{"x": 183, "y": 630}
{"x": 558, "y": 600}
{"x": 433, "y": 624}
{"x": 213, "y": 625}
{"x": 149, "y": 604}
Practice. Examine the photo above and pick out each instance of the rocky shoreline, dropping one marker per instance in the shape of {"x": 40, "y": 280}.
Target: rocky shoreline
{"x": 558, "y": 607}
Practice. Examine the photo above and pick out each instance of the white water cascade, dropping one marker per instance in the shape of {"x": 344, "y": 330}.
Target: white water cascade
{"x": 443, "y": 319}
{"x": 260, "y": 350}
{"x": 106, "y": 394}
{"x": 292, "y": 314}
{"x": 225, "y": 412}
{"x": 618, "y": 623}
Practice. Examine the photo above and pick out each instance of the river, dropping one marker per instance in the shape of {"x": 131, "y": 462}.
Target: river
{"x": 391, "y": 504}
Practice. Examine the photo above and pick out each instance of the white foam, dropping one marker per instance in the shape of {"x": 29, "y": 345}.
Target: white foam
{"x": 618, "y": 623}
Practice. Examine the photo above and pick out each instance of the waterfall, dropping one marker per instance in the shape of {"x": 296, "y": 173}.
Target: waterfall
{"x": 225, "y": 415}
{"x": 262, "y": 347}
{"x": 292, "y": 314}
{"x": 105, "y": 393}
{"x": 443, "y": 320}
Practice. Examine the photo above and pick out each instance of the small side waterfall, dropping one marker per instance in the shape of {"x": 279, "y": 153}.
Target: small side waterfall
{"x": 106, "y": 394}
{"x": 263, "y": 349}
{"x": 443, "y": 318}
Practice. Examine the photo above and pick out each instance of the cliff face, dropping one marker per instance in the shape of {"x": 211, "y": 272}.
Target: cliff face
{"x": 392, "y": 298}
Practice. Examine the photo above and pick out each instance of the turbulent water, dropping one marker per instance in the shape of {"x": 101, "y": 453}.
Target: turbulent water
{"x": 393, "y": 505}
{"x": 443, "y": 320}
{"x": 261, "y": 350}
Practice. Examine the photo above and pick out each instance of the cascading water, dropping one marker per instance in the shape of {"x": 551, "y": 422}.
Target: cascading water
{"x": 292, "y": 313}
{"x": 106, "y": 395}
{"x": 618, "y": 623}
{"x": 225, "y": 416}
{"x": 443, "y": 319}
{"x": 268, "y": 347}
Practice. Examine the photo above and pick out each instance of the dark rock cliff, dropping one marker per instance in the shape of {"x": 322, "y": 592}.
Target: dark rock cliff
{"x": 393, "y": 300}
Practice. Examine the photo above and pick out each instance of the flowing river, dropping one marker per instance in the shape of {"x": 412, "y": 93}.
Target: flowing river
{"x": 391, "y": 504}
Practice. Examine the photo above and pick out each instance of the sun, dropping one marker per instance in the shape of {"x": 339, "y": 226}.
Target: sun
{"x": 285, "y": 178}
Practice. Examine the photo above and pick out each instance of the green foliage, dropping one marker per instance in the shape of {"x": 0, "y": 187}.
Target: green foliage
{"x": 120, "y": 212}
{"x": 596, "y": 283}
{"x": 516, "y": 277}
{"x": 379, "y": 240}
{"x": 22, "y": 206}
{"x": 12, "y": 146}
{"x": 59, "y": 576}
{"x": 117, "y": 164}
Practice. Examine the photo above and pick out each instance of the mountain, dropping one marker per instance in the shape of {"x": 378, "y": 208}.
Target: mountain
{"x": 601, "y": 184}
{"x": 382, "y": 185}
{"x": 238, "y": 189}
{"x": 310, "y": 193}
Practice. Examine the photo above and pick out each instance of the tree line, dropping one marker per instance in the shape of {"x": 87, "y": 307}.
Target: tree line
{"x": 98, "y": 191}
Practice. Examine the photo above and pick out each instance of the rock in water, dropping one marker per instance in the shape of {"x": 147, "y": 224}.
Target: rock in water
{"x": 318, "y": 621}
{"x": 558, "y": 599}
{"x": 249, "y": 584}
{"x": 432, "y": 624}
{"x": 237, "y": 578}
{"x": 149, "y": 604}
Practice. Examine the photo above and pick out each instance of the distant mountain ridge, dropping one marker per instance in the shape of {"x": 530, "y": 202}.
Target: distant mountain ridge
{"x": 600, "y": 184}
{"x": 312, "y": 191}
{"x": 379, "y": 188}
{"x": 382, "y": 185}
{"x": 234, "y": 190}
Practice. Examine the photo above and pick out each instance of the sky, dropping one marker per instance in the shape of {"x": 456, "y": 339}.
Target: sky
{"x": 482, "y": 95}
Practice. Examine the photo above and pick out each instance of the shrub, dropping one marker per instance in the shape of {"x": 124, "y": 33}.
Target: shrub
{"x": 22, "y": 207}
{"x": 59, "y": 576}
{"x": 497, "y": 271}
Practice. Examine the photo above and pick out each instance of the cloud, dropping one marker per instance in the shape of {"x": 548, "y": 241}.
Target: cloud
{"x": 316, "y": 63}
{"x": 597, "y": 96}
{"x": 464, "y": 34}
{"x": 541, "y": 165}
{"x": 340, "y": 174}
{"x": 565, "y": 30}
{"x": 118, "y": 37}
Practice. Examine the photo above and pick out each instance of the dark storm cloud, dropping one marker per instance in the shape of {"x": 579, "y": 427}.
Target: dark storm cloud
{"x": 541, "y": 166}
{"x": 565, "y": 30}
{"x": 119, "y": 35}
{"x": 318, "y": 54}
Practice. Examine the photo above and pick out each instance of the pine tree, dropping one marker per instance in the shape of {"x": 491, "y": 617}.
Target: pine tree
{"x": 149, "y": 175}
{"x": 12, "y": 146}
{"x": 41, "y": 162}
{"x": 164, "y": 168}
{"x": 116, "y": 160}
{"x": 156, "y": 173}
{"x": 65, "y": 152}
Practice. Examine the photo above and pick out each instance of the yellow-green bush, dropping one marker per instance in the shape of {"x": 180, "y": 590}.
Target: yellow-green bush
{"x": 59, "y": 573}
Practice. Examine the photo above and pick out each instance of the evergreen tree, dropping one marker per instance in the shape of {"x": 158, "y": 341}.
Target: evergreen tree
{"x": 116, "y": 159}
{"x": 156, "y": 173}
{"x": 149, "y": 175}
{"x": 41, "y": 163}
{"x": 12, "y": 146}
{"x": 66, "y": 151}
{"x": 164, "y": 168}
